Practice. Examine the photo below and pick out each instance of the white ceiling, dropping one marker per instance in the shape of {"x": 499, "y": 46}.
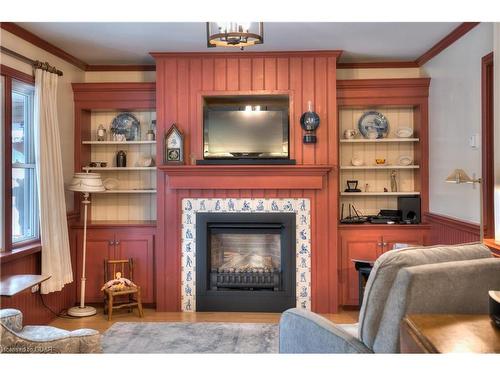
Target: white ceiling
{"x": 130, "y": 43}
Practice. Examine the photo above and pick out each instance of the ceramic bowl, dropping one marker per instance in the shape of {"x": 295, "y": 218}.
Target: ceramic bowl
{"x": 404, "y": 132}
{"x": 380, "y": 161}
{"x": 110, "y": 183}
{"x": 405, "y": 160}
{"x": 357, "y": 162}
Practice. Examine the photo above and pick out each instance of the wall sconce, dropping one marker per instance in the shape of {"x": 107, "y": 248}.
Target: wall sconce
{"x": 309, "y": 121}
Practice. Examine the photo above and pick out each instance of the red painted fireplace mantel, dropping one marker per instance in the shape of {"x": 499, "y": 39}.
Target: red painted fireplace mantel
{"x": 246, "y": 176}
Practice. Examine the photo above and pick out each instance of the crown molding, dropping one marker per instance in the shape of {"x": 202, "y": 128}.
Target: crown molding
{"x": 120, "y": 68}
{"x": 28, "y": 36}
{"x": 329, "y": 53}
{"x": 447, "y": 41}
{"x": 377, "y": 65}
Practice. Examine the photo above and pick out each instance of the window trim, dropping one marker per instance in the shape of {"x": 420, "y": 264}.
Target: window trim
{"x": 9, "y": 75}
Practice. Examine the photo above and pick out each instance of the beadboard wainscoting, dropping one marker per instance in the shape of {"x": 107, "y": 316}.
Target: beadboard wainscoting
{"x": 449, "y": 231}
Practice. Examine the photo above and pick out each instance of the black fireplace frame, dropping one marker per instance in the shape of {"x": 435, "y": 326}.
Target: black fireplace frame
{"x": 245, "y": 300}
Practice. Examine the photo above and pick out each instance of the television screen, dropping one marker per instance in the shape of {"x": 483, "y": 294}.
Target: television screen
{"x": 245, "y": 133}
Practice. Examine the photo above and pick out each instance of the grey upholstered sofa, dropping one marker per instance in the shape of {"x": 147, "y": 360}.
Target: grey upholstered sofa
{"x": 43, "y": 339}
{"x": 439, "y": 279}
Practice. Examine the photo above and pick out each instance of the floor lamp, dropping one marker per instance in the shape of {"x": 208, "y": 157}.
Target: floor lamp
{"x": 458, "y": 176}
{"x": 85, "y": 183}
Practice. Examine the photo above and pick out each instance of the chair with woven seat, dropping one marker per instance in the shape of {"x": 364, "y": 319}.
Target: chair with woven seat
{"x": 113, "y": 298}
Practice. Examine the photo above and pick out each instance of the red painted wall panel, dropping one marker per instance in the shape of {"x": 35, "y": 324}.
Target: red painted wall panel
{"x": 311, "y": 76}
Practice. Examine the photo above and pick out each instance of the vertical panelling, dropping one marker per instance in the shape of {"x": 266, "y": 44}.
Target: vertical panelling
{"x": 270, "y": 73}
{"x": 308, "y": 64}
{"x": 245, "y": 74}
{"x": 296, "y": 87}
{"x": 195, "y": 85}
{"x": 320, "y": 105}
{"x": 182, "y": 104}
{"x": 282, "y": 77}
{"x": 208, "y": 73}
{"x": 220, "y": 73}
{"x": 257, "y": 73}
{"x": 233, "y": 74}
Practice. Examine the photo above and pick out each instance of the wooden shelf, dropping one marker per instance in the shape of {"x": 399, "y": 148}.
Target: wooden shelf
{"x": 118, "y": 143}
{"x": 119, "y": 168}
{"x": 381, "y": 193}
{"x": 128, "y": 191}
{"x": 380, "y": 140}
{"x": 381, "y": 167}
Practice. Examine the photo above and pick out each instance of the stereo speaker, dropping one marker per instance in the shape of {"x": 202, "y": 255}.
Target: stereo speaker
{"x": 410, "y": 209}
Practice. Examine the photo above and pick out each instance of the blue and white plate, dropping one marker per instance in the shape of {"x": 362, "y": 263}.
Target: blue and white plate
{"x": 127, "y": 124}
{"x": 373, "y": 121}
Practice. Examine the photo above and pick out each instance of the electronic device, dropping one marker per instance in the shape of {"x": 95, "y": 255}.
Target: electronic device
{"x": 246, "y": 127}
{"x": 352, "y": 219}
{"x": 386, "y": 217}
{"x": 410, "y": 209}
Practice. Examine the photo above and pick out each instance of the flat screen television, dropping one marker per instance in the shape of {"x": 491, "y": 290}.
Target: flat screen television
{"x": 252, "y": 131}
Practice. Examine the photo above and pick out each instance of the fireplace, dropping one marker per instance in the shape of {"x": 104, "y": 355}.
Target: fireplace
{"x": 245, "y": 261}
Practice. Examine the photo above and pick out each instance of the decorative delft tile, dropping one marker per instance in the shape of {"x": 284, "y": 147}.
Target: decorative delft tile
{"x": 304, "y": 249}
{"x": 189, "y": 232}
{"x": 303, "y": 219}
{"x": 275, "y": 205}
{"x": 304, "y": 205}
{"x": 304, "y": 277}
{"x": 287, "y": 205}
{"x": 303, "y": 261}
{"x": 304, "y": 304}
{"x": 188, "y": 262}
{"x": 303, "y": 233}
{"x": 188, "y": 218}
{"x": 188, "y": 247}
{"x": 245, "y": 205}
{"x": 219, "y": 205}
{"x": 187, "y": 204}
{"x": 231, "y": 205}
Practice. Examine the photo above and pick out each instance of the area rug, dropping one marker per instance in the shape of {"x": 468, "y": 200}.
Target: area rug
{"x": 191, "y": 338}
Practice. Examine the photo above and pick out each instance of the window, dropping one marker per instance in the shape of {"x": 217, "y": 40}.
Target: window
{"x": 19, "y": 209}
{"x": 24, "y": 192}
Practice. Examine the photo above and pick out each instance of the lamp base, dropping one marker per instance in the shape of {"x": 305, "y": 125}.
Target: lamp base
{"x": 82, "y": 311}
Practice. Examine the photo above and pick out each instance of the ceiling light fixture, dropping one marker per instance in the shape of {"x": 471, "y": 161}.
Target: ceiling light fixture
{"x": 234, "y": 34}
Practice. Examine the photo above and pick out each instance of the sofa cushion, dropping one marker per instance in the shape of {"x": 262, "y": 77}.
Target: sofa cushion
{"x": 386, "y": 268}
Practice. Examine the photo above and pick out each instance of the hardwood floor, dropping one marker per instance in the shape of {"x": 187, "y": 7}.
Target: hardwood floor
{"x": 101, "y": 323}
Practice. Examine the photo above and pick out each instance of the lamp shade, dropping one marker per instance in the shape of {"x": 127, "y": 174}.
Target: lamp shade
{"x": 86, "y": 183}
{"x": 458, "y": 176}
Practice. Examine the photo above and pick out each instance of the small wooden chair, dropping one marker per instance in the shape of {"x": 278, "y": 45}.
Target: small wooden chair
{"x": 110, "y": 269}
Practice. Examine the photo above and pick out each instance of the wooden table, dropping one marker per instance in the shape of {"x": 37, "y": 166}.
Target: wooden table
{"x": 12, "y": 285}
{"x": 446, "y": 333}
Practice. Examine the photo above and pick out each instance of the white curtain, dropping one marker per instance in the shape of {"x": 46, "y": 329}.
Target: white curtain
{"x": 56, "y": 259}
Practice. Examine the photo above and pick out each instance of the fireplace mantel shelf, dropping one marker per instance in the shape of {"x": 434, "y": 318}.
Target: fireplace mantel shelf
{"x": 246, "y": 176}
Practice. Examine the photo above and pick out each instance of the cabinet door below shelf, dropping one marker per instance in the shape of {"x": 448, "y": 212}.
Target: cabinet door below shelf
{"x": 99, "y": 248}
{"x": 139, "y": 247}
{"x": 410, "y": 237}
{"x": 355, "y": 245}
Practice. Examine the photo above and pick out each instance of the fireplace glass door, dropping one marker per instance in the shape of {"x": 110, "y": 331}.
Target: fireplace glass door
{"x": 245, "y": 258}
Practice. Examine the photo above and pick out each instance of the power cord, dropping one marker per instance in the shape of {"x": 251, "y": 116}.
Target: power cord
{"x": 62, "y": 314}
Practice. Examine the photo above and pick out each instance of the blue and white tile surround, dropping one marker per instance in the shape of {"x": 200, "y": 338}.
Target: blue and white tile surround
{"x": 302, "y": 209}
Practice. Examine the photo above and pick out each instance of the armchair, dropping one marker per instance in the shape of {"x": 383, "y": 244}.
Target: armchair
{"x": 440, "y": 279}
{"x": 43, "y": 339}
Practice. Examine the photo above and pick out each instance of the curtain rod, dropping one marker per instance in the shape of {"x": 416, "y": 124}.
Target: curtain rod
{"x": 35, "y": 63}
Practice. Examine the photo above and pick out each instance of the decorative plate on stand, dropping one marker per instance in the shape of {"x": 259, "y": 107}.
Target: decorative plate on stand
{"x": 126, "y": 124}
{"x": 371, "y": 122}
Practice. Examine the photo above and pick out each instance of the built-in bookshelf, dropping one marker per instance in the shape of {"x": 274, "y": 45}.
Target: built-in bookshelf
{"x": 134, "y": 197}
{"x": 373, "y": 178}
